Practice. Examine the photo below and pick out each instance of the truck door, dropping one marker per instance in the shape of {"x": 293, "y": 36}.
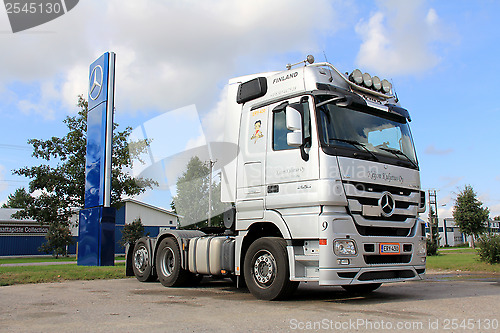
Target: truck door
{"x": 251, "y": 163}
{"x": 290, "y": 174}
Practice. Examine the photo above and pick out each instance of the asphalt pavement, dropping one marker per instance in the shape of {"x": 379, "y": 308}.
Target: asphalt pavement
{"x": 445, "y": 302}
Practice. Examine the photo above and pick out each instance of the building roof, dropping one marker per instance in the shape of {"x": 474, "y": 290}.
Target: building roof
{"x": 6, "y": 216}
{"x": 163, "y": 210}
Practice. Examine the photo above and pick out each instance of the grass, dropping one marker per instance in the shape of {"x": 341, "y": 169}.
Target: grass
{"x": 464, "y": 259}
{"x": 40, "y": 274}
{"x": 29, "y": 260}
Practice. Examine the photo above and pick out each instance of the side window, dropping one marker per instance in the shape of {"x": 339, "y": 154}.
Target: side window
{"x": 280, "y": 131}
{"x": 279, "y": 126}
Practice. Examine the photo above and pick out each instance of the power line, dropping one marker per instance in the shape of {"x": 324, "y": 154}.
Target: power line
{"x": 14, "y": 147}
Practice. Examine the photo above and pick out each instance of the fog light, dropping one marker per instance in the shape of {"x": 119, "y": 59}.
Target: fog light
{"x": 344, "y": 247}
{"x": 367, "y": 80}
{"x": 386, "y": 86}
{"x": 356, "y": 76}
{"x": 377, "y": 85}
{"x": 343, "y": 261}
{"x": 423, "y": 260}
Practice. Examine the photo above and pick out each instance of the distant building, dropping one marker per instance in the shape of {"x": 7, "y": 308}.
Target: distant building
{"x": 21, "y": 237}
{"x": 24, "y": 237}
{"x": 153, "y": 218}
{"x": 453, "y": 237}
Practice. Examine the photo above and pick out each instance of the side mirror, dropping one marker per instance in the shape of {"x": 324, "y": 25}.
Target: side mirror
{"x": 293, "y": 123}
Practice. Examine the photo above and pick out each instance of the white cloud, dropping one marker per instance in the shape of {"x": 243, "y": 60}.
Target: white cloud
{"x": 213, "y": 121}
{"x": 169, "y": 53}
{"x": 450, "y": 181}
{"x": 399, "y": 38}
{"x": 432, "y": 150}
{"x": 3, "y": 183}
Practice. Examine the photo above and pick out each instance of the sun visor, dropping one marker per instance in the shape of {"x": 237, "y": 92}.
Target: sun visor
{"x": 252, "y": 89}
{"x": 399, "y": 110}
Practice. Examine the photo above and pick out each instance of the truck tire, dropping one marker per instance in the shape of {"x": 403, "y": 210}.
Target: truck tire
{"x": 361, "y": 289}
{"x": 266, "y": 269}
{"x": 141, "y": 262}
{"x": 168, "y": 264}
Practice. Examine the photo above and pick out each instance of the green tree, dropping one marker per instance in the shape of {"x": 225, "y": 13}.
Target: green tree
{"x": 191, "y": 201}
{"x": 19, "y": 199}
{"x": 61, "y": 181}
{"x": 469, "y": 213}
{"x": 132, "y": 232}
{"x": 433, "y": 239}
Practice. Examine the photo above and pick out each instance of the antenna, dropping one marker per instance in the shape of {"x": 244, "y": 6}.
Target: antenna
{"x": 394, "y": 89}
{"x": 329, "y": 69}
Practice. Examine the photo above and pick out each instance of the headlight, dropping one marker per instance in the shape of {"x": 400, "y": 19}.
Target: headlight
{"x": 344, "y": 247}
{"x": 422, "y": 248}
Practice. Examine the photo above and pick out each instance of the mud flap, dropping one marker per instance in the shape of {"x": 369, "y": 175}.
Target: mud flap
{"x": 129, "y": 254}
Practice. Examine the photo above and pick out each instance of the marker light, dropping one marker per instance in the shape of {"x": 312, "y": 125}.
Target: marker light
{"x": 386, "y": 86}
{"x": 356, "y": 76}
{"x": 367, "y": 80}
{"x": 376, "y": 83}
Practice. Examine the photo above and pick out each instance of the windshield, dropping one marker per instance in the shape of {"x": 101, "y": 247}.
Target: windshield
{"x": 388, "y": 136}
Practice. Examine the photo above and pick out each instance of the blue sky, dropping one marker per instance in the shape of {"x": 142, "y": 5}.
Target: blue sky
{"x": 442, "y": 57}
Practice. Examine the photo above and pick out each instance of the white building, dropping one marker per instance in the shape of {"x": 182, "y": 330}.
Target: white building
{"x": 151, "y": 216}
{"x": 453, "y": 237}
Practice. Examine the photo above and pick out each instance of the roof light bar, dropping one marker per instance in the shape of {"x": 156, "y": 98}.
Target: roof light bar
{"x": 371, "y": 82}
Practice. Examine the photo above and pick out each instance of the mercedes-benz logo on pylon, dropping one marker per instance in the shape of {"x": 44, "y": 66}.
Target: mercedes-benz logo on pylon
{"x": 96, "y": 78}
{"x": 387, "y": 204}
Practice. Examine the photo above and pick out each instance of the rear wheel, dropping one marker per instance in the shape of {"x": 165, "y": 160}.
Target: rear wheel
{"x": 141, "y": 262}
{"x": 361, "y": 289}
{"x": 168, "y": 264}
{"x": 267, "y": 271}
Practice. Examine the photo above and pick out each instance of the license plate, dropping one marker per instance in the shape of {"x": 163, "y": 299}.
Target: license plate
{"x": 389, "y": 248}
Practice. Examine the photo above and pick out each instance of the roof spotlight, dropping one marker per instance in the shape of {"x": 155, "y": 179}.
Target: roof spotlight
{"x": 386, "y": 86}
{"x": 356, "y": 76}
{"x": 367, "y": 80}
{"x": 376, "y": 83}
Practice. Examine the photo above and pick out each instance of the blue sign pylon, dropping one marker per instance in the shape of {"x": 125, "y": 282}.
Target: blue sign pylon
{"x": 96, "y": 241}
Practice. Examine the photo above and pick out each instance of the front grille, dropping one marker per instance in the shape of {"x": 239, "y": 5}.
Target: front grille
{"x": 382, "y": 231}
{"x": 387, "y": 259}
{"x": 386, "y": 275}
{"x": 363, "y": 199}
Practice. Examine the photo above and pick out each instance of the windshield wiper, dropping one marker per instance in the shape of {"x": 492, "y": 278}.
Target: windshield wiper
{"x": 356, "y": 144}
{"x": 399, "y": 152}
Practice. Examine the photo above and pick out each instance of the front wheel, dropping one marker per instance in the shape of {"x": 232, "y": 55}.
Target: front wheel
{"x": 266, "y": 269}
{"x": 168, "y": 264}
{"x": 361, "y": 289}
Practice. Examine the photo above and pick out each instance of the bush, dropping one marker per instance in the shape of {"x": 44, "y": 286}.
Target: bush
{"x": 132, "y": 232}
{"x": 489, "y": 249}
{"x": 432, "y": 247}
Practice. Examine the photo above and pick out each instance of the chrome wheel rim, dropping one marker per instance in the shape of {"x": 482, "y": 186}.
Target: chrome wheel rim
{"x": 264, "y": 268}
{"x": 141, "y": 259}
{"x": 168, "y": 262}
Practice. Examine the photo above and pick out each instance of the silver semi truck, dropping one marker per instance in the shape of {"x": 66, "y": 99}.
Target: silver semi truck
{"x": 325, "y": 187}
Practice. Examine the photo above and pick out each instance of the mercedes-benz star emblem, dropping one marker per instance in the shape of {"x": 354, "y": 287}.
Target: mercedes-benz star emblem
{"x": 95, "y": 83}
{"x": 387, "y": 204}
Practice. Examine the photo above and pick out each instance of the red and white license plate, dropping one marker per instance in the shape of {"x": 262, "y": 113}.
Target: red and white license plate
{"x": 389, "y": 248}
